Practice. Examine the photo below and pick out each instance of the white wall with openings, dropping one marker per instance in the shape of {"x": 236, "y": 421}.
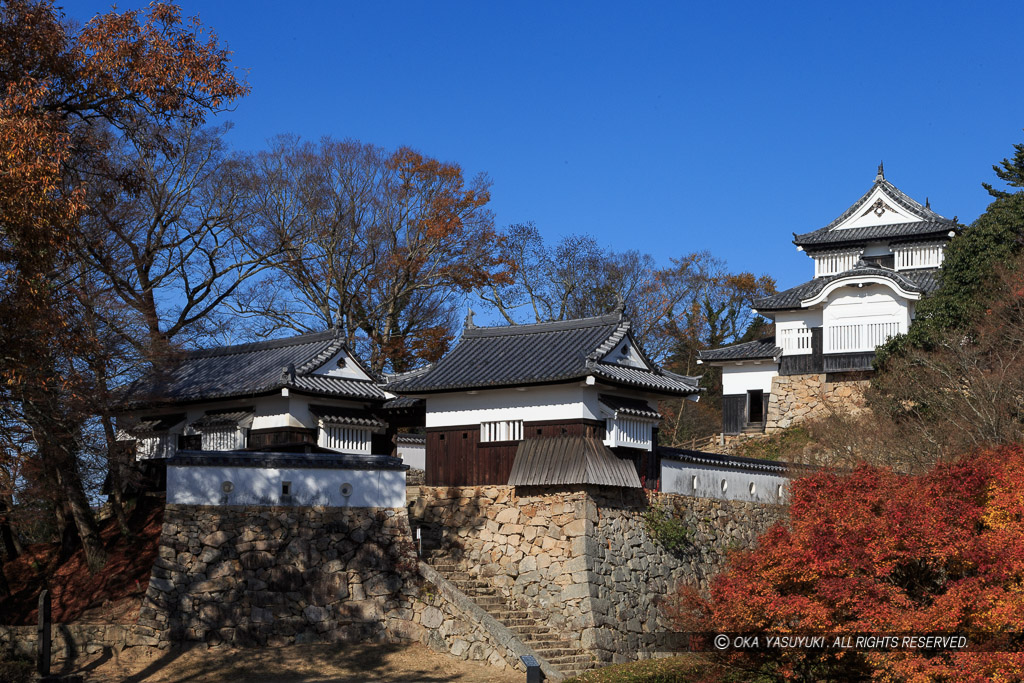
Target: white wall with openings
{"x": 236, "y": 485}
{"x": 722, "y": 483}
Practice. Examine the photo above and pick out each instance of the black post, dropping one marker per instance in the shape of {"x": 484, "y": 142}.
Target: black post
{"x": 43, "y": 640}
{"x": 533, "y": 672}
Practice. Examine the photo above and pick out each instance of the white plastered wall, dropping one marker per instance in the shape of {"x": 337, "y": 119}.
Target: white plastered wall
{"x": 721, "y": 483}
{"x": 203, "y": 485}
{"x": 874, "y": 301}
{"x": 531, "y": 404}
{"x": 739, "y": 379}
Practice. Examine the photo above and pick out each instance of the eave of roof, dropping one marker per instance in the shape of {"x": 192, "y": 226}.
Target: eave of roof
{"x": 278, "y": 459}
{"x": 735, "y": 462}
{"x": 759, "y": 349}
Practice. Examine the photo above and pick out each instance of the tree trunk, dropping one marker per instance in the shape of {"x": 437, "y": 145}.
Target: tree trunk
{"x": 9, "y": 540}
{"x": 115, "y": 468}
{"x": 5, "y": 590}
{"x": 81, "y": 513}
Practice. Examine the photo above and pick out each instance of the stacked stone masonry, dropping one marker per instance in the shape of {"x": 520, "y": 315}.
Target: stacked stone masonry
{"x": 249, "y": 575}
{"x": 261, "y": 576}
{"x": 585, "y": 558}
{"x": 800, "y": 398}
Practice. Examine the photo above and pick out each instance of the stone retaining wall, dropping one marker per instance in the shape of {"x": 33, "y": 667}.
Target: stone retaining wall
{"x": 799, "y": 398}
{"x": 71, "y": 640}
{"x": 252, "y": 575}
{"x": 584, "y": 557}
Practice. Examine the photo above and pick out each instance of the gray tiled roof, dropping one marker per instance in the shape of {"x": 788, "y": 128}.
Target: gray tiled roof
{"x": 250, "y": 369}
{"x": 223, "y": 418}
{"x": 735, "y": 462}
{"x": 753, "y": 350}
{"x": 629, "y": 406}
{"x": 151, "y": 425}
{"x": 518, "y": 355}
{"x": 931, "y": 223}
{"x": 922, "y": 281}
{"x": 570, "y": 460}
{"x": 347, "y": 416}
{"x": 278, "y": 459}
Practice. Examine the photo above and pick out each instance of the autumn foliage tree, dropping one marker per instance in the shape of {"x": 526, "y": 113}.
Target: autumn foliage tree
{"x": 380, "y": 244}
{"x": 877, "y": 552}
{"x": 63, "y": 90}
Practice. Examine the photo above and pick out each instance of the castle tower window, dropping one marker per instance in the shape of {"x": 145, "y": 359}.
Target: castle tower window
{"x": 502, "y": 430}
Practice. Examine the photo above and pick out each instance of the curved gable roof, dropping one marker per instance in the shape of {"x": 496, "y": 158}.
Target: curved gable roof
{"x": 929, "y": 222}
{"x": 921, "y": 282}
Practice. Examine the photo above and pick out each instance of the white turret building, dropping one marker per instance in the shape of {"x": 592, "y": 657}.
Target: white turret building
{"x": 872, "y": 265}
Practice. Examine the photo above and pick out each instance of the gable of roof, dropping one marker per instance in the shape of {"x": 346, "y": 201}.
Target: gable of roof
{"x": 928, "y": 223}
{"x": 759, "y": 349}
{"x": 542, "y": 353}
{"x": 922, "y": 281}
{"x": 249, "y": 370}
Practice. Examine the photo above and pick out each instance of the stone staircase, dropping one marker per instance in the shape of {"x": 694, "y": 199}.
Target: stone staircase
{"x": 528, "y": 625}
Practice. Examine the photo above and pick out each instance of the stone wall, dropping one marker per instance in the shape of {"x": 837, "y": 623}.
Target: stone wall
{"x": 799, "y": 398}
{"x": 522, "y": 544}
{"x": 631, "y": 576}
{"x": 252, "y": 575}
{"x": 584, "y": 557}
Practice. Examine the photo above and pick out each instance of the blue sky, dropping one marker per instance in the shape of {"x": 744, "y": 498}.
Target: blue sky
{"x": 665, "y": 127}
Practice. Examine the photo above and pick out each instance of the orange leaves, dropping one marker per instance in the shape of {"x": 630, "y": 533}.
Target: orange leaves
{"x": 873, "y": 551}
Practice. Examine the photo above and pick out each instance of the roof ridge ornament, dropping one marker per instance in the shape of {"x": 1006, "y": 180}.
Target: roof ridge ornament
{"x": 620, "y": 305}
{"x": 881, "y": 172}
{"x": 469, "y": 324}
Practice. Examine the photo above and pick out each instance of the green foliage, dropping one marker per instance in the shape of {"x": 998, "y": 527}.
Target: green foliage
{"x": 1009, "y": 171}
{"x": 667, "y": 530}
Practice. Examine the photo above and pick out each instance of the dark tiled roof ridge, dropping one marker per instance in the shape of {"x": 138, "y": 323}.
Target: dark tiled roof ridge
{"x": 249, "y": 347}
{"x": 537, "y": 328}
{"x": 914, "y": 231}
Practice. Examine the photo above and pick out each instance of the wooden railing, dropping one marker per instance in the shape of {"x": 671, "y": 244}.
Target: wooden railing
{"x": 856, "y": 337}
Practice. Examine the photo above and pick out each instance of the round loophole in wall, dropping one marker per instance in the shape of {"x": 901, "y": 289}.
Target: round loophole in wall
{"x": 725, "y": 486}
{"x": 752, "y": 488}
{"x": 227, "y": 487}
{"x": 346, "y": 489}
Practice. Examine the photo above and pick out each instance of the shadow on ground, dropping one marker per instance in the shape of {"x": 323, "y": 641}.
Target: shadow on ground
{"x": 322, "y": 663}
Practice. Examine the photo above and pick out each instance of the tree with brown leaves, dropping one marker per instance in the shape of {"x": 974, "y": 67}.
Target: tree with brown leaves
{"x": 63, "y": 91}
{"x": 379, "y": 244}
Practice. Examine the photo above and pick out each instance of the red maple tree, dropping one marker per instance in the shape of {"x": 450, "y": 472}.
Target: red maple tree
{"x": 877, "y": 552}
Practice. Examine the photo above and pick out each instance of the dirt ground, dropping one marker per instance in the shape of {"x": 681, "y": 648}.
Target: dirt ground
{"x": 294, "y": 664}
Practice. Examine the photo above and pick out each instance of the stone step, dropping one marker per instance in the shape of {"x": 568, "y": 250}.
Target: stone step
{"x": 549, "y": 652}
{"x": 513, "y": 622}
{"x": 477, "y": 586}
{"x": 535, "y": 631}
{"x": 579, "y": 661}
{"x": 484, "y": 600}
